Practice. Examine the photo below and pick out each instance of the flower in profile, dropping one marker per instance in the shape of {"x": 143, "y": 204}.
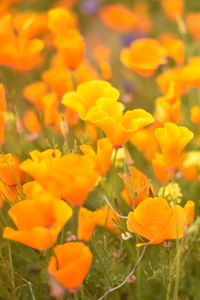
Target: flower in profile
{"x": 118, "y": 17}
{"x": 173, "y": 8}
{"x": 168, "y": 106}
{"x": 162, "y": 171}
{"x": 87, "y": 95}
{"x": 172, "y": 140}
{"x": 118, "y": 127}
{"x": 71, "y": 264}
{"x": 137, "y": 188}
{"x": 43, "y": 219}
{"x": 71, "y": 176}
{"x": 31, "y": 122}
{"x": 189, "y": 211}
{"x": 144, "y": 56}
{"x": 88, "y": 220}
{"x": 58, "y": 80}
{"x": 139, "y": 140}
{"x": 103, "y": 156}
{"x": 155, "y": 220}
{"x": 174, "y": 47}
{"x": 10, "y": 172}
{"x": 34, "y": 93}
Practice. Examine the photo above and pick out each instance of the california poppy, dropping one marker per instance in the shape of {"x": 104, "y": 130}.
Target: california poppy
{"x": 70, "y": 258}
{"x": 144, "y": 56}
{"x": 43, "y": 219}
{"x": 155, "y": 220}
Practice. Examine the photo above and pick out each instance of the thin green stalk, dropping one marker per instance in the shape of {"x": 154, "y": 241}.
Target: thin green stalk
{"x": 11, "y": 265}
{"x": 104, "y": 268}
{"x": 138, "y": 272}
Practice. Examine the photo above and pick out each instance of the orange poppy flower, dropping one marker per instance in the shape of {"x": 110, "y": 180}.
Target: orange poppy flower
{"x": 43, "y": 219}
{"x": 195, "y": 114}
{"x": 31, "y": 121}
{"x": 88, "y": 220}
{"x": 108, "y": 115}
{"x": 174, "y": 47}
{"x": 118, "y": 17}
{"x": 29, "y": 24}
{"x": 8, "y": 193}
{"x": 58, "y": 79}
{"x": 71, "y": 176}
{"x": 173, "y": 75}
{"x": 161, "y": 169}
{"x": 50, "y": 105}
{"x": 70, "y": 258}
{"x": 139, "y": 140}
{"x": 85, "y": 72}
{"x": 172, "y": 140}
{"x": 10, "y": 172}
{"x": 193, "y": 23}
{"x": 103, "y": 156}
{"x": 155, "y": 220}
{"x": 138, "y": 185}
{"x": 173, "y": 8}
{"x": 189, "y": 211}
{"x": 60, "y": 20}
{"x": 34, "y": 93}
{"x": 71, "y": 48}
{"x": 87, "y": 95}
{"x": 144, "y": 56}
{"x": 168, "y": 107}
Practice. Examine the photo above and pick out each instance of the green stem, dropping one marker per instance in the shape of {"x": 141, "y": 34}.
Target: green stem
{"x": 138, "y": 272}
{"x": 11, "y": 265}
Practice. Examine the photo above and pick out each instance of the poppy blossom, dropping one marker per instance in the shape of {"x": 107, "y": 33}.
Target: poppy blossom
{"x": 138, "y": 185}
{"x": 144, "y": 56}
{"x": 118, "y": 127}
{"x": 172, "y": 140}
{"x": 155, "y": 220}
{"x": 102, "y": 157}
{"x": 43, "y": 219}
{"x": 71, "y": 176}
{"x": 88, "y": 220}
{"x": 87, "y": 95}
{"x": 70, "y": 258}
{"x": 10, "y": 172}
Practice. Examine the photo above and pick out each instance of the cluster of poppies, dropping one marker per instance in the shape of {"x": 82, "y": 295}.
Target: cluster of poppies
{"x": 67, "y": 94}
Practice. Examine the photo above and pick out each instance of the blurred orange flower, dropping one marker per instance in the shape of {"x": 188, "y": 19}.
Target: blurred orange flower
{"x": 88, "y": 220}
{"x": 102, "y": 157}
{"x": 144, "y": 56}
{"x": 172, "y": 140}
{"x": 137, "y": 187}
{"x": 70, "y": 264}
{"x": 155, "y": 220}
{"x": 43, "y": 219}
{"x": 10, "y": 172}
{"x": 71, "y": 176}
{"x": 87, "y": 96}
{"x": 108, "y": 115}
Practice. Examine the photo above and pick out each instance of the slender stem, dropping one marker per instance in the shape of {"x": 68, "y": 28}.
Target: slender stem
{"x": 138, "y": 273}
{"x": 11, "y": 264}
{"x": 102, "y": 264}
{"x": 126, "y": 278}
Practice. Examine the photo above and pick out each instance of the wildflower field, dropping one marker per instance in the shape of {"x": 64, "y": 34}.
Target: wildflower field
{"x": 99, "y": 149}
